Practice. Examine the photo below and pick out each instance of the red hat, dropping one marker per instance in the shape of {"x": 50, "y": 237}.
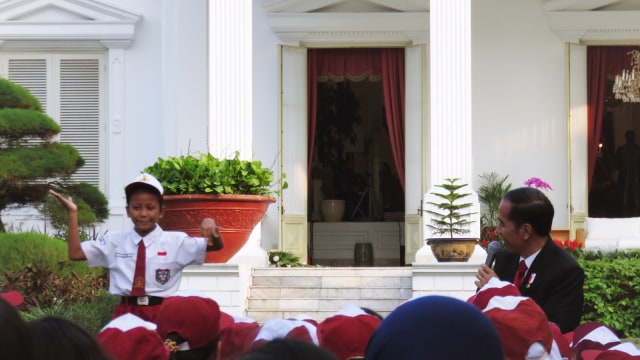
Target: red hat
{"x": 623, "y": 351}
{"x": 303, "y": 330}
{"x": 192, "y": 315}
{"x": 563, "y": 343}
{"x": 593, "y": 336}
{"x": 238, "y": 337}
{"x": 13, "y": 297}
{"x": 347, "y": 333}
{"x": 520, "y": 322}
{"x": 129, "y": 337}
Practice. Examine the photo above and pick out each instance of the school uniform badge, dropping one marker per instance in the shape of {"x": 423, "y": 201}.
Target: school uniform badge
{"x": 163, "y": 275}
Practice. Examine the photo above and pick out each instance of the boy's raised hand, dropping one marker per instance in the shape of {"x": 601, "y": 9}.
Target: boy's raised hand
{"x": 67, "y": 202}
{"x": 210, "y": 230}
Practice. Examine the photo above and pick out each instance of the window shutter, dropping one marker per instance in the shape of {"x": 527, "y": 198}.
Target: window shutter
{"x": 80, "y": 113}
{"x": 32, "y": 74}
{"x": 68, "y": 87}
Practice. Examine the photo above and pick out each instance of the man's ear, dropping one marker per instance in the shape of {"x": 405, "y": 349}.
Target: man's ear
{"x": 527, "y": 230}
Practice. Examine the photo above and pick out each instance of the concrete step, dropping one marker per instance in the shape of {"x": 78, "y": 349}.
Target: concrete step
{"x": 320, "y": 292}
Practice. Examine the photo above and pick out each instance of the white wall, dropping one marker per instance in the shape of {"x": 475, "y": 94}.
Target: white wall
{"x": 519, "y": 98}
{"x": 265, "y": 111}
{"x": 166, "y": 90}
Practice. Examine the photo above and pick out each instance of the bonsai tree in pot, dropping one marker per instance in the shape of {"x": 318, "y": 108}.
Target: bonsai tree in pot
{"x": 236, "y": 193}
{"x": 449, "y": 217}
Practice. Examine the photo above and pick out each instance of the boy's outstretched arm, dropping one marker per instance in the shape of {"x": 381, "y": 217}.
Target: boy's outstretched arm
{"x": 210, "y": 230}
{"x": 73, "y": 242}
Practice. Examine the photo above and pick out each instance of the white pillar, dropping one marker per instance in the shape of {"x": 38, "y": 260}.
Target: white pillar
{"x": 230, "y": 100}
{"x": 116, "y": 127}
{"x": 450, "y": 123}
{"x": 230, "y": 78}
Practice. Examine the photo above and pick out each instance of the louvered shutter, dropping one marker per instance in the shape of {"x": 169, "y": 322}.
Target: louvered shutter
{"x": 69, "y": 89}
{"x": 80, "y": 113}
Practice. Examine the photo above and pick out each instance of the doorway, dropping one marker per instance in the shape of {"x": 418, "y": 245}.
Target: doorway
{"x": 356, "y": 154}
{"x": 352, "y": 154}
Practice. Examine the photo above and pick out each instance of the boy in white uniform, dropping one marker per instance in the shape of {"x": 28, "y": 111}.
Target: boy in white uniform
{"x": 166, "y": 252}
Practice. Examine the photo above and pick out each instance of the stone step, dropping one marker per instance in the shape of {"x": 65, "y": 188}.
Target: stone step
{"x": 320, "y": 292}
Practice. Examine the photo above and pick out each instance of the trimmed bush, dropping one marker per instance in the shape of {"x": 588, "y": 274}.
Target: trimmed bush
{"x": 18, "y": 250}
{"x": 612, "y": 290}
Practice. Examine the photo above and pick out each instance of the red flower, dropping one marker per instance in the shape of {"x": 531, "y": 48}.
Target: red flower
{"x": 572, "y": 246}
{"x": 487, "y": 235}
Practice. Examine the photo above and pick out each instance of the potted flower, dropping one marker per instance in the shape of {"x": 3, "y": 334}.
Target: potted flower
{"x": 450, "y": 217}
{"x": 236, "y": 193}
{"x": 490, "y": 194}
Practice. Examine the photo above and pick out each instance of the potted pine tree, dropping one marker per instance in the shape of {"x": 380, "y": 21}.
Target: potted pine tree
{"x": 236, "y": 193}
{"x": 449, "y": 217}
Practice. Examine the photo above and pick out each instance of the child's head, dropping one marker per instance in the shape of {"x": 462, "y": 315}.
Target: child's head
{"x": 144, "y": 182}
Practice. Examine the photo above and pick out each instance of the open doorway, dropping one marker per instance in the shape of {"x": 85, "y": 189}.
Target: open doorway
{"x": 352, "y": 157}
{"x": 615, "y": 186}
{"x": 356, "y": 139}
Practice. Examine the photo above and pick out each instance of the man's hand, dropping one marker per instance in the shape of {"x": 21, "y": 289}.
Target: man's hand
{"x": 483, "y": 275}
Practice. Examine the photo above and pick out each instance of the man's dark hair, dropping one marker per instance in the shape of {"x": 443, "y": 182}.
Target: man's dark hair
{"x": 530, "y": 206}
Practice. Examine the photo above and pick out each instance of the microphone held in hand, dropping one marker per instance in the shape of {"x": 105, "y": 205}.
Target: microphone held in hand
{"x": 492, "y": 251}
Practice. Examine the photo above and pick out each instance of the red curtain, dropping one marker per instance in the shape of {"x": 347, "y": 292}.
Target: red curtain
{"x": 602, "y": 61}
{"x": 358, "y": 65}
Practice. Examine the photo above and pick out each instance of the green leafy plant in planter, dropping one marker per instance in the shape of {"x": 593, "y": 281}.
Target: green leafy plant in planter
{"x": 451, "y": 217}
{"x": 490, "y": 194}
{"x": 206, "y": 174}
{"x": 234, "y": 192}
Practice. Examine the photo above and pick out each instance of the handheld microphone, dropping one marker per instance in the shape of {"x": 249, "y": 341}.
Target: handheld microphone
{"x": 492, "y": 251}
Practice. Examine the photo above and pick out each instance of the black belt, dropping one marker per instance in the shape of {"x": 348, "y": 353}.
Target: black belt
{"x": 141, "y": 300}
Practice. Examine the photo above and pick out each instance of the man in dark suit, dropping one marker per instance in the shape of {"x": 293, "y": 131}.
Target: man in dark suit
{"x": 552, "y": 277}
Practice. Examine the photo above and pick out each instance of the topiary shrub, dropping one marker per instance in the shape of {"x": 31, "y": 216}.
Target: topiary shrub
{"x": 31, "y": 162}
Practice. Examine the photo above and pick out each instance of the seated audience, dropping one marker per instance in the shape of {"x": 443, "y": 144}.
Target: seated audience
{"x": 129, "y": 337}
{"x": 238, "y": 337}
{"x": 522, "y": 324}
{"x": 13, "y": 330}
{"x": 435, "y": 327}
{"x": 191, "y": 323}
{"x": 596, "y": 341}
{"x": 287, "y": 349}
{"x": 347, "y": 332}
{"x": 301, "y": 328}
{"x": 56, "y": 337}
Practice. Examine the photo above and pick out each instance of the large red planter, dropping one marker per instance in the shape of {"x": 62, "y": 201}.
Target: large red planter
{"x": 236, "y": 215}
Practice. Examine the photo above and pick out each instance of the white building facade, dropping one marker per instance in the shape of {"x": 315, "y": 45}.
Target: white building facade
{"x": 507, "y": 79}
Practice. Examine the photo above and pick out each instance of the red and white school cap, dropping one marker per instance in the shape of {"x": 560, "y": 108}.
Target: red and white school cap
{"x": 559, "y": 338}
{"x": 522, "y": 324}
{"x": 192, "y": 315}
{"x": 347, "y": 332}
{"x": 494, "y": 287}
{"x": 295, "y": 328}
{"x": 593, "y": 336}
{"x": 129, "y": 337}
{"x": 238, "y": 337}
{"x": 622, "y": 351}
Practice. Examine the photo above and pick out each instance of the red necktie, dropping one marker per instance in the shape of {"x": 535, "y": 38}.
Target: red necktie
{"x": 522, "y": 270}
{"x": 137, "y": 289}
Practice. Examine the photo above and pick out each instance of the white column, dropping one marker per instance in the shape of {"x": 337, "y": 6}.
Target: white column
{"x": 450, "y": 90}
{"x": 450, "y": 46}
{"x": 116, "y": 128}
{"x": 230, "y": 77}
{"x": 230, "y": 100}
